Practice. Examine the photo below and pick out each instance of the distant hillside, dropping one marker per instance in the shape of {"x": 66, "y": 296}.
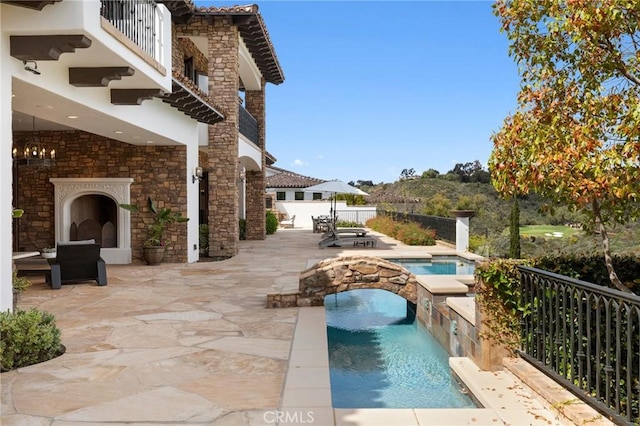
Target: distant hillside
{"x": 438, "y": 195}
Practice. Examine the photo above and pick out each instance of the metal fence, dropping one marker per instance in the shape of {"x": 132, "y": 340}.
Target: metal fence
{"x": 248, "y": 125}
{"x": 138, "y": 20}
{"x": 445, "y": 227}
{"x": 585, "y": 336}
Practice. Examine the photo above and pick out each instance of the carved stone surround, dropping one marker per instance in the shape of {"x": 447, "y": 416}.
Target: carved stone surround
{"x": 66, "y": 190}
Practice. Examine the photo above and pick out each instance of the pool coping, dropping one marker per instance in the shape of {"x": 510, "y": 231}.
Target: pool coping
{"x": 307, "y": 391}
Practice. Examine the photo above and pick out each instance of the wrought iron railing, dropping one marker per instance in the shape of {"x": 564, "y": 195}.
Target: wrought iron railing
{"x": 445, "y": 227}
{"x": 585, "y": 336}
{"x": 248, "y": 126}
{"x": 138, "y": 20}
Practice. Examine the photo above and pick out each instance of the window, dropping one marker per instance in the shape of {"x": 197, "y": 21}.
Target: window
{"x": 317, "y": 195}
{"x": 299, "y": 196}
{"x": 281, "y": 195}
{"x": 268, "y": 202}
{"x": 189, "y": 70}
{"x": 203, "y": 82}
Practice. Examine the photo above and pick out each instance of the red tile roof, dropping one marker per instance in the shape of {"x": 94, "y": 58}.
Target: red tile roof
{"x": 287, "y": 179}
{"x": 255, "y": 35}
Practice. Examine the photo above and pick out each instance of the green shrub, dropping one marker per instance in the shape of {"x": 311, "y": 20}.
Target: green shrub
{"x": 499, "y": 296}
{"x": 28, "y": 337}
{"x": 591, "y": 268}
{"x": 383, "y": 224}
{"x": 409, "y": 233}
{"x": 242, "y": 228}
{"x": 203, "y": 238}
{"x": 272, "y": 222}
{"x": 20, "y": 284}
{"x": 413, "y": 234}
{"x": 477, "y": 243}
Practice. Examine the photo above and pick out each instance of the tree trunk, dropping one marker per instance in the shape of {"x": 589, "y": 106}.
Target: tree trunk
{"x": 514, "y": 230}
{"x": 608, "y": 260}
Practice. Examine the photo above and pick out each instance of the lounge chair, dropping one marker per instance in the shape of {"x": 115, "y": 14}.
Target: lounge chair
{"x": 357, "y": 232}
{"x": 288, "y": 223}
{"x": 334, "y": 239}
{"x": 77, "y": 262}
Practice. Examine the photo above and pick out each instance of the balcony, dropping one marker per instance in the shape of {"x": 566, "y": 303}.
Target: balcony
{"x": 249, "y": 126}
{"x": 139, "y": 21}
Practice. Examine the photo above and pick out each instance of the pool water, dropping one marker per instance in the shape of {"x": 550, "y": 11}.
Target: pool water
{"x": 380, "y": 357}
{"x": 438, "y": 265}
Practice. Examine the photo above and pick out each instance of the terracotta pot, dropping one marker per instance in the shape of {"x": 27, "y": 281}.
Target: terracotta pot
{"x": 153, "y": 255}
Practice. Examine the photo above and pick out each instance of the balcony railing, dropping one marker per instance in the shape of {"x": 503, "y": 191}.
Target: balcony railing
{"x": 138, "y": 20}
{"x": 585, "y": 336}
{"x": 248, "y": 126}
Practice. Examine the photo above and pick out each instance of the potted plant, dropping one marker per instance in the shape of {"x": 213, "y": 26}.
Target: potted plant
{"x": 155, "y": 245}
{"x": 48, "y": 252}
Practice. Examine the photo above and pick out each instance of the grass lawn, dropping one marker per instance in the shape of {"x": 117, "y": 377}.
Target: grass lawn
{"x": 547, "y": 231}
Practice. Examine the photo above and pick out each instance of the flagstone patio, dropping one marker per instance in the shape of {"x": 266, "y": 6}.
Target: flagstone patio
{"x": 182, "y": 344}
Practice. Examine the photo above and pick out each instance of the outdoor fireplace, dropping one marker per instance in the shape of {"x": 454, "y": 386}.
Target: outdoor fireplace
{"x": 87, "y": 208}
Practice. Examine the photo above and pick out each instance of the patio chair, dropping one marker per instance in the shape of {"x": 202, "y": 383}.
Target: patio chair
{"x": 77, "y": 262}
{"x": 335, "y": 239}
{"x": 288, "y": 223}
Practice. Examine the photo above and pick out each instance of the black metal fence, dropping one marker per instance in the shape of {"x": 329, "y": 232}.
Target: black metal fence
{"x": 585, "y": 336}
{"x": 445, "y": 227}
{"x": 136, "y": 19}
{"x": 248, "y": 126}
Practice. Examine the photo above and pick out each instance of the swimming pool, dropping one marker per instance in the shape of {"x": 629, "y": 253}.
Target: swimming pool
{"x": 438, "y": 265}
{"x": 381, "y": 357}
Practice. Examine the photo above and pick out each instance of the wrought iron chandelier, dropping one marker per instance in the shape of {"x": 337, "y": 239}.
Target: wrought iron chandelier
{"x": 34, "y": 153}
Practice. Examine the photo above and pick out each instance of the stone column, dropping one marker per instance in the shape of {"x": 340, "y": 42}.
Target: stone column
{"x": 255, "y": 185}
{"x": 462, "y": 228}
{"x": 223, "y": 41}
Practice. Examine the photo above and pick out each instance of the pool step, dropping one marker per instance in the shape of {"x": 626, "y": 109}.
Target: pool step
{"x": 498, "y": 390}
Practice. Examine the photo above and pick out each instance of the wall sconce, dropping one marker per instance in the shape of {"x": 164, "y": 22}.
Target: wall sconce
{"x": 197, "y": 174}
{"x": 33, "y": 69}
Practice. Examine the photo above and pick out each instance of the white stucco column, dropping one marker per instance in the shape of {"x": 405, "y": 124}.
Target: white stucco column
{"x": 193, "y": 197}
{"x": 6, "y": 170}
{"x": 462, "y": 229}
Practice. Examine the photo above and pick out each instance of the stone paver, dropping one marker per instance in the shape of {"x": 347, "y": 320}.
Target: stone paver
{"x": 186, "y": 344}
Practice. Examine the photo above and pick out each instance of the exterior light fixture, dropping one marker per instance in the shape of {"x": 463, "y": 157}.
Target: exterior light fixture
{"x": 197, "y": 174}
{"x": 31, "y": 69}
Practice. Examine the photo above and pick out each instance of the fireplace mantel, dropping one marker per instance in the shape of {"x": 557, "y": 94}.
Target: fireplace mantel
{"x": 66, "y": 190}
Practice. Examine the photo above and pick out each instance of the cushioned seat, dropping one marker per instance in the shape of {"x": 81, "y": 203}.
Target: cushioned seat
{"x": 77, "y": 262}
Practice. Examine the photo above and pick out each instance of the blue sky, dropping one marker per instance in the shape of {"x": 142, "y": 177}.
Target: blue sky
{"x": 375, "y": 87}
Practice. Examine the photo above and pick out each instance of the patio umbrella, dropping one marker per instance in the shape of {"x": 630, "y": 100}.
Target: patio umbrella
{"x": 336, "y": 187}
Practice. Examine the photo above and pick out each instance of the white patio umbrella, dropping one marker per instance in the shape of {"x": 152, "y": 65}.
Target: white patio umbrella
{"x": 336, "y": 187}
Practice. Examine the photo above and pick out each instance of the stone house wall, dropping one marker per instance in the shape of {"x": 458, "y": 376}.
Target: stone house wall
{"x": 157, "y": 171}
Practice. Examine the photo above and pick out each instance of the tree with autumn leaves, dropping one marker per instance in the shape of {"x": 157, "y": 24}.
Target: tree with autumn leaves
{"x": 575, "y": 136}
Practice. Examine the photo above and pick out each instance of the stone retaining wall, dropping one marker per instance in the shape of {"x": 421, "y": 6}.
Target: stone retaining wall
{"x": 335, "y": 275}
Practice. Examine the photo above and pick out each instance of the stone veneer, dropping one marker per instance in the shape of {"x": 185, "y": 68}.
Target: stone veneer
{"x": 335, "y": 275}
{"x": 221, "y": 159}
{"x": 256, "y": 208}
{"x": 157, "y": 171}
